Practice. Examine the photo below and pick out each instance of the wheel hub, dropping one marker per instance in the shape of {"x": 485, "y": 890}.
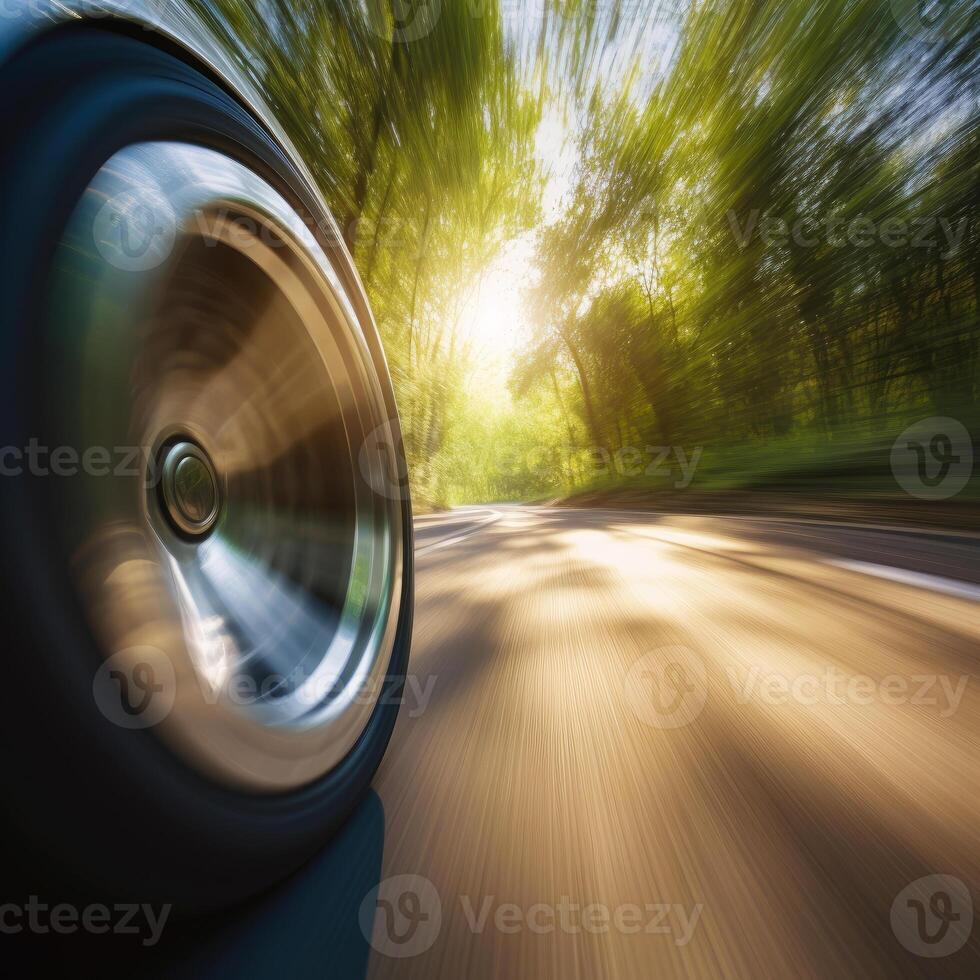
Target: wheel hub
{"x": 190, "y": 488}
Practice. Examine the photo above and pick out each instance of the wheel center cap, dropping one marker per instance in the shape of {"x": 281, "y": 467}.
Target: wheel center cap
{"x": 190, "y": 488}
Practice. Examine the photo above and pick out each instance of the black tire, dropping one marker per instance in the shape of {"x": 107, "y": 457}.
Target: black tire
{"x": 99, "y": 810}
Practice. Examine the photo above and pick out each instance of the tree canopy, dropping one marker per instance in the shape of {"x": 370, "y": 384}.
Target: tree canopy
{"x": 765, "y": 245}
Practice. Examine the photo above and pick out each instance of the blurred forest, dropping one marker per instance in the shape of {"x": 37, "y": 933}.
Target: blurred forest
{"x": 765, "y": 251}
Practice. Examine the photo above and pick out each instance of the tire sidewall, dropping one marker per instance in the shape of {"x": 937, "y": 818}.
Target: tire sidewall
{"x": 114, "y": 812}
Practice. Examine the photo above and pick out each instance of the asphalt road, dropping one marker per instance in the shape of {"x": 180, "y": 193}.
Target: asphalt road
{"x": 738, "y": 742}
{"x": 642, "y": 746}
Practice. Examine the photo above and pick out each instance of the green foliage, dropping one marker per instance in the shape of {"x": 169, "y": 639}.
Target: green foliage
{"x": 769, "y": 246}
{"x": 423, "y": 148}
{"x": 773, "y": 250}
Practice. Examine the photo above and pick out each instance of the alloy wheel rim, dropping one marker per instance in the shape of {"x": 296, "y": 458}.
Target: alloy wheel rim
{"x": 249, "y": 556}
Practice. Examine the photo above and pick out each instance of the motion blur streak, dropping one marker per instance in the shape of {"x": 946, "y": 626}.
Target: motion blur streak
{"x": 538, "y": 772}
{"x": 592, "y": 226}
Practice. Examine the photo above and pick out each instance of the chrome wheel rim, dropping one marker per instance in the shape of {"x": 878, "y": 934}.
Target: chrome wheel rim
{"x": 244, "y": 557}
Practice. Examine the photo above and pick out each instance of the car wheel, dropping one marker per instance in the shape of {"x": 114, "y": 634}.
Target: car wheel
{"x": 207, "y": 533}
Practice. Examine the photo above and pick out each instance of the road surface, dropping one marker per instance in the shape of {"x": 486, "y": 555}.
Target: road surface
{"x": 738, "y": 740}
{"x": 645, "y": 746}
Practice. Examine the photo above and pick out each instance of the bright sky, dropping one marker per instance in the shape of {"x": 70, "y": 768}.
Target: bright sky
{"x": 495, "y": 321}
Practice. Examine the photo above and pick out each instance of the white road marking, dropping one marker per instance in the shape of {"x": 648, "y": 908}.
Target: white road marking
{"x": 937, "y": 532}
{"x": 495, "y": 515}
{"x": 920, "y": 580}
{"x": 451, "y": 515}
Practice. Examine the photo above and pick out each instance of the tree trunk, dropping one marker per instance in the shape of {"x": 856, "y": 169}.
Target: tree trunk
{"x": 592, "y": 420}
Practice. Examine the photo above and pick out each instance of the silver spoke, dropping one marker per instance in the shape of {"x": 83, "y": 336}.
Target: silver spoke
{"x": 248, "y": 545}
